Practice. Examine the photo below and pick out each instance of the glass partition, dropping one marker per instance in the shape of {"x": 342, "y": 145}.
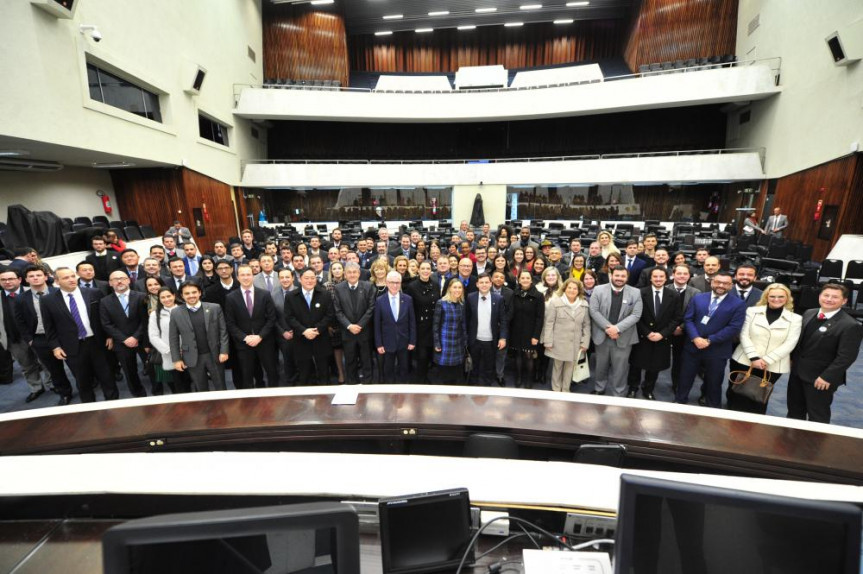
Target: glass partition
{"x": 358, "y": 203}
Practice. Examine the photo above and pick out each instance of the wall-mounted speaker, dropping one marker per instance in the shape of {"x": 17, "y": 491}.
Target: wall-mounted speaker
{"x": 845, "y": 44}
{"x": 196, "y": 78}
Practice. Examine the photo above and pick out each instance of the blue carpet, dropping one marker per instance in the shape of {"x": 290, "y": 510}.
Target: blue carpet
{"x": 847, "y": 405}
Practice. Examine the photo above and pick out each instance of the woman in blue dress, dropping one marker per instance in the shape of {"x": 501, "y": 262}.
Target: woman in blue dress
{"x": 450, "y": 334}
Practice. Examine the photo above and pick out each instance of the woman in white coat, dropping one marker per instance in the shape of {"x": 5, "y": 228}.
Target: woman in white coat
{"x": 769, "y": 334}
{"x": 566, "y": 332}
{"x": 158, "y": 328}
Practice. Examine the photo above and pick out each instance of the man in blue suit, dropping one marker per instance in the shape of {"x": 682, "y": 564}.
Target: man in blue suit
{"x": 191, "y": 259}
{"x": 395, "y": 329}
{"x": 487, "y": 329}
{"x": 711, "y": 322}
{"x": 634, "y": 264}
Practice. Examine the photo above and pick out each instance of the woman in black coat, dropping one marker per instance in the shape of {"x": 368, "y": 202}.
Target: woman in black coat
{"x": 527, "y": 319}
{"x": 424, "y": 294}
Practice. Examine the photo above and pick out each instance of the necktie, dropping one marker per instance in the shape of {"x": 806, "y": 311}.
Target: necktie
{"x": 249, "y": 306}
{"x": 76, "y": 315}
{"x": 269, "y": 283}
{"x": 308, "y": 299}
{"x": 680, "y": 291}
{"x": 714, "y": 303}
{"x": 629, "y": 264}
{"x": 657, "y": 302}
{"x": 743, "y": 295}
{"x": 483, "y": 298}
{"x": 133, "y": 276}
{"x": 821, "y": 316}
{"x": 87, "y": 285}
{"x": 193, "y": 309}
{"x": 13, "y": 294}
{"x": 124, "y": 304}
{"x": 394, "y": 304}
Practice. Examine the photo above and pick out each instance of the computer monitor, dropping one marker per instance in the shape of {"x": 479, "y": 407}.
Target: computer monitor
{"x": 673, "y": 527}
{"x": 314, "y": 538}
{"x": 426, "y": 532}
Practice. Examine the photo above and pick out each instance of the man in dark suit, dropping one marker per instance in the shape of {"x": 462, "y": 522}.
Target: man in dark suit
{"x": 660, "y": 316}
{"x": 711, "y": 322}
{"x": 354, "y": 305}
{"x": 466, "y": 276}
{"x": 284, "y": 334}
{"x": 498, "y": 286}
{"x": 404, "y": 248}
{"x": 309, "y": 311}
{"x": 680, "y": 283}
{"x": 829, "y": 344}
{"x": 382, "y": 253}
{"x": 443, "y": 274}
{"x": 87, "y": 278}
{"x": 352, "y": 257}
{"x": 395, "y": 329}
{"x": 102, "y": 259}
{"x": 28, "y": 318}
{"x": 198, "y": 338}
{"x": 660, "y": 260}
{"x": 251, "y": 318}
{"x": 152, "y": 268}
{"x": 178, "y": 277}
{"x": 124, "y": 319}
{"x": 632, "y": 262}
{"x": 704, "y": 282}
{"x": 744, "y": 276}
{"x": 12, "y": 291}
{"x": 487, "y": 330}
{"x": 74, "y": 332}
{"x": 24, "y": 257}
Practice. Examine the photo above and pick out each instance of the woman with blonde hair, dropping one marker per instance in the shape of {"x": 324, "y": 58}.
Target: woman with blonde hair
{"x": 550, "y": 283}
{"x": 566, "y": 332}
{"x": 450, "y": 333}
{"x": 378, "y": 274}
{"x": 768, "y": 337}
{"x": 606, "y": 243}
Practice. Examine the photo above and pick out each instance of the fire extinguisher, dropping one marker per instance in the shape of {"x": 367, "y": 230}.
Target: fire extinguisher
{"x": 206, "y": 213}
{"x": 106, "y": 202}
{"x": 818, "y": 207}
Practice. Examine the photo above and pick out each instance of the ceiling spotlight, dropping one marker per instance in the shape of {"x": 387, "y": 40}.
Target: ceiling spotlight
{"x": 576, "y": 4}
{"x": 530, "y": 7}
{"x": 394, "y": 17}
{"x": 513, "y": 24}
{"x": 565, "y": 21}
{"x": 439, "y": 13}
{"x": 384, "y": 33}
{"x": 322, "y": 2}
{"x": 471, "y": 27}
{"x": 424, "y": 30}
{"x": 485, "y": 10}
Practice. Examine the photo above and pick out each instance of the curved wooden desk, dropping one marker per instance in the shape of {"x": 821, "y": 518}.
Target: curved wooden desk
{"x": 436, "y": 420}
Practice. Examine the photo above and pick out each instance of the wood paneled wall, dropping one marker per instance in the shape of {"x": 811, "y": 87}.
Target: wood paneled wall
{"x": 302, "y": 44}
{"x": 839, "y": 182}
{"x": 159, "y": 196}
{"x": 668, "y": 30}
{"x": 446, "y": 50}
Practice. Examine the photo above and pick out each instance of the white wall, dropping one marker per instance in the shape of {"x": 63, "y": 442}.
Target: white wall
{"x": 159, "y": 43}
{"x": 493, "y": 203}
{"x": 667, "y": 90}
{"x": 820, "y": 111}
{"x": 70, "y": 192}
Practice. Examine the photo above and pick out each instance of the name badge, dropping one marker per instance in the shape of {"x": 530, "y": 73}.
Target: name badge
{"x": 705, "y": 320}
{"x": 822, "y": 329}
{"x": 625, "y": 302}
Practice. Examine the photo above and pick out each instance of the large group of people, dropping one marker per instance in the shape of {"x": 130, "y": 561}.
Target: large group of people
{"x": 484, "y": 306}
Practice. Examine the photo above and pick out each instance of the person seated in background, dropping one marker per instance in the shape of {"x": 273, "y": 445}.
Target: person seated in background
{"x": 181, "y": 234}
{"x": 114, "y": 242}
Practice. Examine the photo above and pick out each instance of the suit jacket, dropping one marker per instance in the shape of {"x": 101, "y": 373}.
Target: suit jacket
{"x": 437, "y": 279}
{"x": 217, "y": 294}
{"x": 722, "y": 328}
{"x": 638, "y": 265}
{"x": 181, "y": 334}
{"x": 701, "y": 283}
{"x": 399, "y": 251}
{"x": 753, "y": 295}
{"x": 139, "y": 273}
{"x": 260, "y": 281}
{"x": 104, "y": 265}
{"x": 118, "y": 326}
{"x": 97, "y": 284}
{"x": 684, "y": 298}
{"x": 9, "y": 324}
{"x": 829, "y": 353}
{"x": 391, "y": 334}
{"x": 279, "y": 303}
{"x": 301, "y": 317}
{"x": 240, "y": 324}
{"x": 187, "y": 262}
{"x": 60, "y": 328}
{"x": 365, "y": 259}
{"x": 630, "y": 313}
{"x": 348, "y": 312}
{"x": 471, "y": 284}
{"x": 25, "y": 314}
{"x": 499, "y": 323}
{"x": 781, "y": 222}
{"x": 670, "y": 313}
{"x": 644, "y": 276}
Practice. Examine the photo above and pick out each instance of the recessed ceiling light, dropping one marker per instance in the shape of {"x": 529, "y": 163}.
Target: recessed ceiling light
{"x": 320, "y": 2}
{"x": 514, "y": 24}
{"x": 564, "y": 21}
{"x": 385, "y": 33}
{"x": 424, "y": 30}
{"x": 13, "y": 152}
{"x": 394, "y": 17}
{"x": 471, "y": 27}
{"x": 485, "y": 10}
{"x": 530, "y": 6}
{"x": 575, "y": 4}
{"x": 439, "y": 13}
{"x": 112, "y": 164}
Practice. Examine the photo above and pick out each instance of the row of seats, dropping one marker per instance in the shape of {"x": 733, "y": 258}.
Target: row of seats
{"x": 692, "y": 64}
{"x": 78, "y": 231}
{"x": 289, "y": 83}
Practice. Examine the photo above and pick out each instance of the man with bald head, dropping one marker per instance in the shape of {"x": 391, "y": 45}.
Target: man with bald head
{"x": 124, "y": 318}
{"x": 703, "y": 282}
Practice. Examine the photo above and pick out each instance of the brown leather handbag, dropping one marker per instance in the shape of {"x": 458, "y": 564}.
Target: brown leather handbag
{"x": 754, "y": 388}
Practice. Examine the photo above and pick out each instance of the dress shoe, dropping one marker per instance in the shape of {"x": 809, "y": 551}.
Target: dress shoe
{"x": 596, "y": 393}
{"x": 702, "y": 400}
{"x": 500, "y": 382}
{"x": 649, "y": 396}
{"x": 64, "y": 401}
{"x": 631, "y": 394}
{"x": 34, "y": 395}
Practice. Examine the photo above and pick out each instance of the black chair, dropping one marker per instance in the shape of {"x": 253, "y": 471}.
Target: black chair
{"x": 117, "y": 224}
{"x": 101, "y": 219}
{"x": 602, "y": 454}
{"x": 131, "y": 222}
{"x": 830, "y": 269}
{"x": 147, "y": 231}
{"x": 854, "y": 270}
{"x": 100, "y": 224}
{"x": 79, "y": 226}
{"x": 488, "y": 445}
{"x": 119, "y": 231}
{"x": 83, "y": 220}
{"x": 133, "y": 233}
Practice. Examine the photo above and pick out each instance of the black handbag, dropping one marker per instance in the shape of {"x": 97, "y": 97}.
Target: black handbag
{"x": 757, "y": 389}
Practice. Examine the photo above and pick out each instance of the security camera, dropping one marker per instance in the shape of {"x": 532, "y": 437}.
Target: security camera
{"x": 93, "y": 30}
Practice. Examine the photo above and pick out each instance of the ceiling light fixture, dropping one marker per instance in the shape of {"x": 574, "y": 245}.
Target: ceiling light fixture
{"x": 384, "y": 33}
{"x": 530, "y": 7}
{"x": 439, "y": 13}
{"x": 576, "y": 4}
{"x": 485, "y": 10}
{"x": 112, "y": 164}
{"x": 424, "y": 30}
{"x": 513, "y": 24}
{"x": 322, "y": 2}
{"x": 13, "y": 152}
{"x": 564, "y": 21}
{"x": 394, "y": 17}
{"x": 471, "y": 27}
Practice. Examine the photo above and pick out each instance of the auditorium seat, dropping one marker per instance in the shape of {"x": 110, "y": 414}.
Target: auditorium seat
{"x": 84, "y": 220}
{"x": 148, "y": 232}
{"x": 854, "y": 270}
{"x": 133, "y": 233}
{"x": 489, "y": 445}
{"x": 131, "y": 222}
{"x": 117, "y": 224}
{"x": 830, "y": 269}
{"x": 79, "y": 226}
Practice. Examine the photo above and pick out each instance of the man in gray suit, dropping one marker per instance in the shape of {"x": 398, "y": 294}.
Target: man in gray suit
{"x": 354, "y": 303}
{"x": 615, "y": 309}
{"x": 711, "y": 268}
{"x": 680, "y": 275}
{"x": 776, "y": 223}
{"x": 284, "y": 333}
{"x": 267, "y": 279}
{"x": 199, "y": 339}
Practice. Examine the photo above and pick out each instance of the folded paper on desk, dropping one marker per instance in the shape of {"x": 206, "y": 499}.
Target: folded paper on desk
{"x": 346, "y": 395}
{"x": 559, "y": 562}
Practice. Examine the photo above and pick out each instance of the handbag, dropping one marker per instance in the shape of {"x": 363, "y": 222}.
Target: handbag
{"x": 754, "y": 388}
{"x": 468, "y": 363}
{"x": 581, "y": 371}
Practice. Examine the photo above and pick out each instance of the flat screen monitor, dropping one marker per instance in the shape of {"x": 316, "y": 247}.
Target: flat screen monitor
{"x": 672, "y": 527}
{"x": 426, "y": 532}
{"x": 314, "y": 538}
